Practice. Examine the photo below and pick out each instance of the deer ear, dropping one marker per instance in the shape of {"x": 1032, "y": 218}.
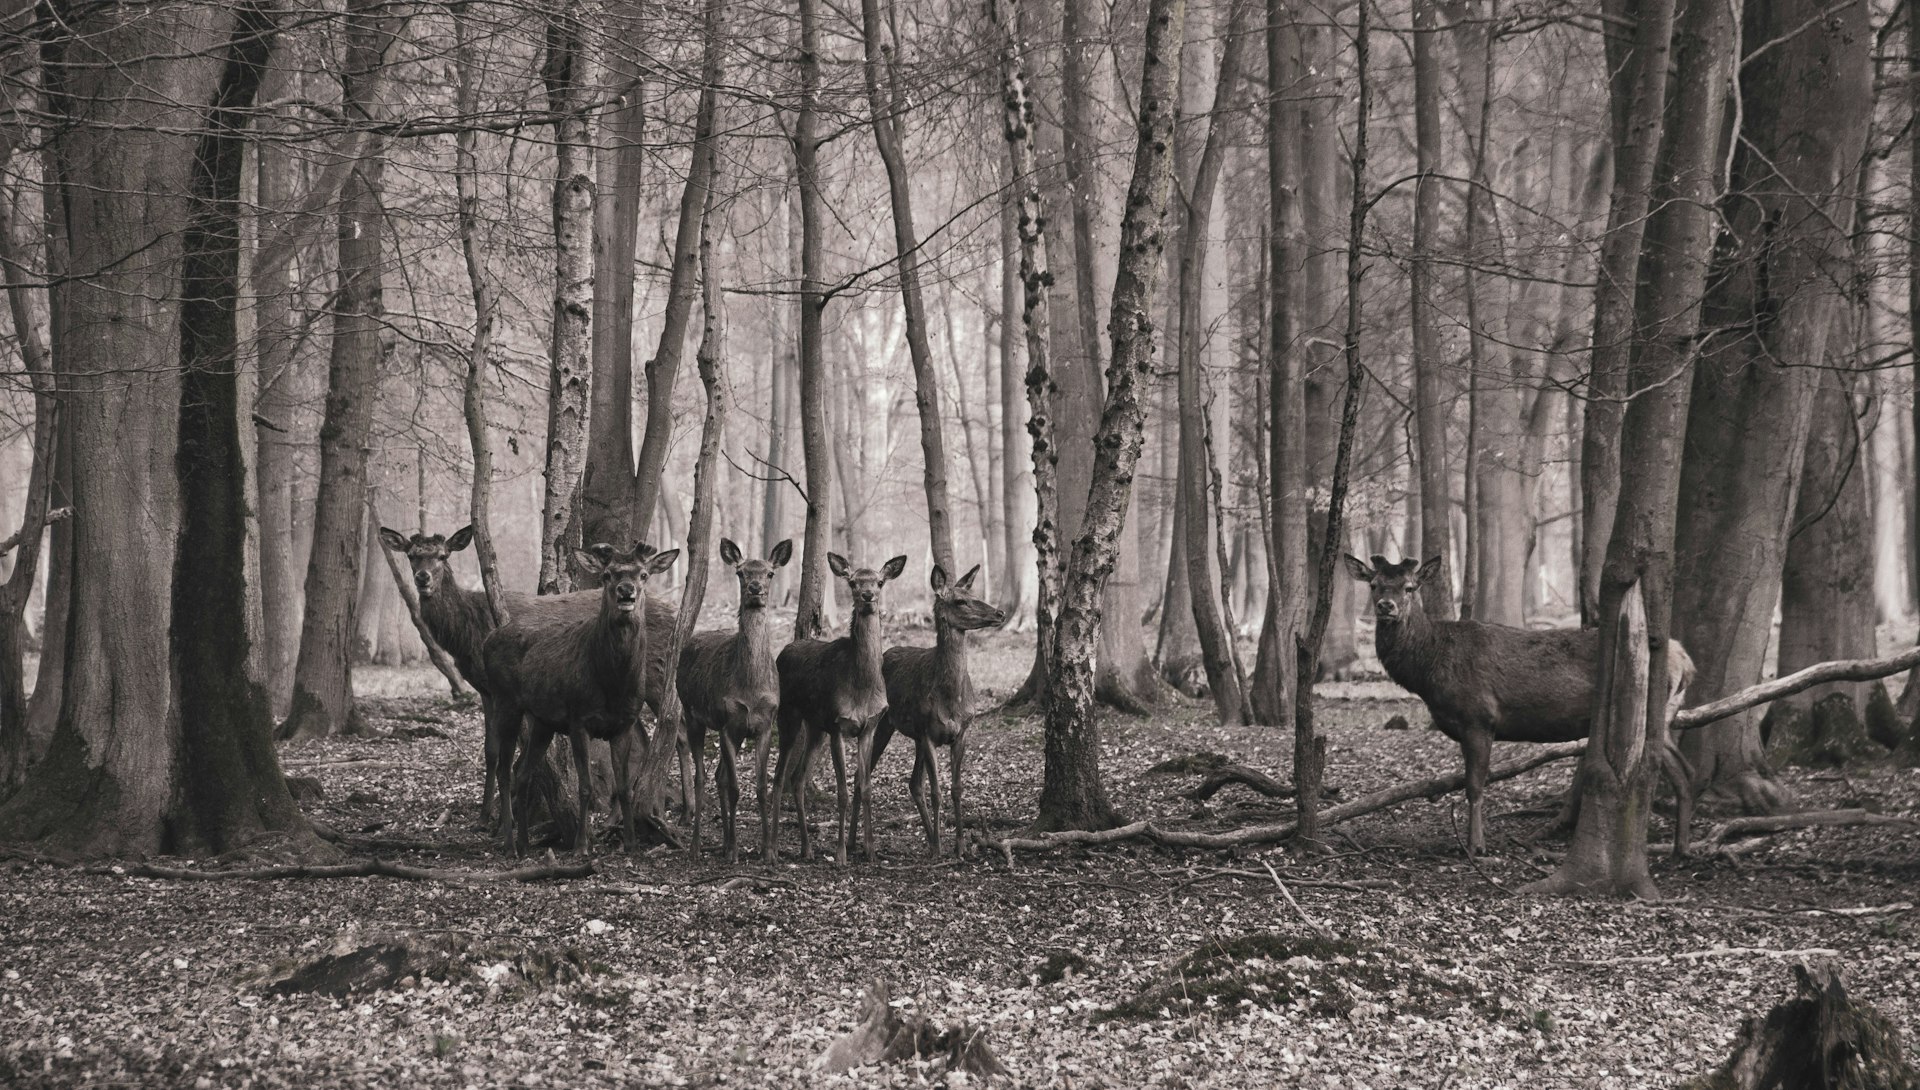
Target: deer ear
{"x": 394, "y": 539}
{"x": 781, "y": 553}
{"x": 590, "y": 560}
{"x": 838, "y": 565}
{"x": 660, "y": 562}
{"x": 937, "y": 578}
{"x": 892, "y": 568}
{"x": 1357, "y": 568}
{"x": 1428, "y": 570}
{"x": 461, "y": 538}
{"x": 729, "y": 552}
{"x": 966, "y": 581}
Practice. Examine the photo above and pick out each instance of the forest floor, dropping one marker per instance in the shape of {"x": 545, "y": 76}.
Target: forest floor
{"x": 1126, "y": 966}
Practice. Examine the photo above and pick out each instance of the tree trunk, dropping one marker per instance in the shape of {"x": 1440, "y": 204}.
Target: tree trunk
{"x": 1072, "y": 795}
{"x": 322, "y": 703}
{"x": 1273, "y": 675}
{"x": 810, "y": 620}
{"x": 1016, "y": 476}
{"x": 163, "y": 741}
{"x": 1788, "y": 214}
{"x": 1203, "y": 579}
{"x": 1910, "y": 696}
{"x": 1429, "y": 377}
{"x": 1637, "y": 96}
{"x": 607, "y": 497}
{"x": 571, "y": 73}
{"x": 275, "y": 452}
{"x": 888, "y": 105}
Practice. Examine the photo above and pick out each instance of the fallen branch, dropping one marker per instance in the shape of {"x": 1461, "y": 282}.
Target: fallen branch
{"x": 351, "y": 762}
{"x": 1272, "y": 833}
{"x": 1312, "y": 924}
{"x": 1715, "y": 952}
{"x": 1232, "y": 774}
{"x": 359, "y": 868}
{"x": 1817, "y": 674}
{"x": 1779, "y": 823}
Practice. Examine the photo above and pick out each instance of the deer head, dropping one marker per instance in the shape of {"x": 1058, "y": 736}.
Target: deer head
{"x": 428, "y": 554}
{"x": 756, "y": 576}
{"x": 623, "y": 575}
{"x": 864, "y": 584}
{"x": 955, "y": 605}
{"x": 1394, "y": 588}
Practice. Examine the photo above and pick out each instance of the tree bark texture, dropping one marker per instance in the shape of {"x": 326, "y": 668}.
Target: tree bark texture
{"x": 1772, "y": 297}
{"x": 1016, "y": 584}
{"x": 1072, "y": 795}
{"x": 810, "y": 620}
{"x": 1429, "y": 369}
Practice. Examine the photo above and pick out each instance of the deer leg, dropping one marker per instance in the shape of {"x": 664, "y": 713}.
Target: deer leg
{"x": 956, "y": 758}
{"x": 514, "y": 813}
{"x": 503, "y": 734}
{"x": 689, "y": 787}
{"x": 923, "y": 772}
{"x": 802, "y": 776}
{"x": 727, "y": 788}
{"x": 623, "y": 745}
{"x": 1477, "y": 745}
{"x": 487, "y": 778}
{"x": 696, "y": 741}
{"x": 863, "y": 780}
{"x": 768, "y": 815}
{"x": 791, "y": 735}
{"x": 839, "y": 743}
{"x": 583, "y": 838}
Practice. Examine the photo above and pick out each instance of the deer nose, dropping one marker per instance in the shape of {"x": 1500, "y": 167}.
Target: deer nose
{"x": 423, "y": 580}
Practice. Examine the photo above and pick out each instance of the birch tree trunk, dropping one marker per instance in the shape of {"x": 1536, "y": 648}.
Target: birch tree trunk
{"x": 1016, "y": 475}
{"x": 1072, "y": 795}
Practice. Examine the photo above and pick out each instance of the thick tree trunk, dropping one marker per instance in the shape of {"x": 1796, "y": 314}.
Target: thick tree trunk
{"x": 571, "y": 72}
{"x": 1789, "y": 213}
{"x": 322, "y": 702}
{"x": 1638, "y": 94}
{"x": 887, "y": 100}
{"x": 275, "y": 452}
{"x": 1072, "y": 795}
{"x": 607, "y": 487}
{"x": 1016, "y": 475}
{"x": 810, "y": 621}
{"x": 1429, "y": 375}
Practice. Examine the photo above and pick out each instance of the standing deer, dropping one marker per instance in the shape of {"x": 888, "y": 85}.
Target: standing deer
{"x": 1484, "y": 683}
{"x": 930, "y": 697}
{"x": 728, "y": 683}
{"x": 830, "y": 689}
{"x": 584, "y": 675}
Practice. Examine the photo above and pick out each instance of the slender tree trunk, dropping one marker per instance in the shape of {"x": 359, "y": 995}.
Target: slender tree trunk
{"x": 887, "y": 100}
{"x": 810, "y": 620}
{"x": 322, "y": 703}
{"x": 1638, "y": 94}
{"x": 1016, "y": 474}
{"x": 1789, "y": 213}
{"x": 1429, "y": 377}
{"x": 1203, "y": 580}
{"x": 1910, "y": 696}
{"x": 1273, "y": 695}
{"x": 275, "y": 453}
{"x": 607, "y": 511}
{"x": 1072, "y": 795}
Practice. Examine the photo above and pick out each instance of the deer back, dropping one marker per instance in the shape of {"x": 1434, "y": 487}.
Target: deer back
{"x": 926, "y": 698}
{"x": 1534, "y": 686}
{"x": 723, "y": 678}
{"x": 825, "y": 681}
{"x": 560, "y": 662}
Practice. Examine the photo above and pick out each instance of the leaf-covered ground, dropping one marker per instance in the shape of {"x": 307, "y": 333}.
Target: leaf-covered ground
{"x": 1123, "y": 967}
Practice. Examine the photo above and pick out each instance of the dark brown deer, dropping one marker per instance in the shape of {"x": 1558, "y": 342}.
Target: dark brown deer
{"x": 728, "y": 684}
{"x": 930, "y": 698}
{"x": 830, "y": 689}
{"x": 1484, "y": 683}
{"x": 585, "y": 676}
{"x": 460, "y": 622}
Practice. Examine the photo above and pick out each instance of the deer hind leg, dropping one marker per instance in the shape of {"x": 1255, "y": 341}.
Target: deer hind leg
{"x": 842, "y": 831}
{"x": 727, "y": 788}
{"x": 802, "y": 776}
{"x": 924, "y": 772}
{"x": 689, "y": 790}
{"x": 503, "y": 727}
{"x": 488, "y": 778}
{"x": 583, "y": 838}
{"x": 769, "y": 815}
{"x": 514, "y": 811}
{"x": 1476, "y": 745}
{"x": 696, "y": 741}
{"x": 863, "y": 788}
{"x": 1678, "y": 772}
{"x": 956, "y": 760}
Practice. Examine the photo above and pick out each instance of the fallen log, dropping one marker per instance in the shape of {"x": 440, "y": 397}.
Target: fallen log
{"x": 359, "y": 868}
{"x": 1779, "y": 823}
{"x": 1818, "y": 674}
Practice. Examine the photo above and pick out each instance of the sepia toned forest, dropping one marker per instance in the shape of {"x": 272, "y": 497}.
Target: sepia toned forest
{"x": 1119, "y": 381}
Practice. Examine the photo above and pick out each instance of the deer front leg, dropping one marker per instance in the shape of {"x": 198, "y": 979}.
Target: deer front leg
{"x": 623, "y": 745}
{"x": 839, "y": 743}
{"x": 727, "y": 785}
{"x": 583, "y": 838}
{"x": 957, "y": 757}
{"x": 689, "y": 799}
{"x": 514, "y": 811}
{"x": 696, "y": 741}
{"x": 924, "y": 772}
{"x": 487, "y": 777}
{"x": 503, "y": 728}
{"x": 769, "y": 815}
{"x": 1476, "y": 744}
{"x": 863, "y": 788}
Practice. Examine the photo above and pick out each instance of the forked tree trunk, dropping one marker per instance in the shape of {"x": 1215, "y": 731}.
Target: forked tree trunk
{"x": 322, "y": 703}
{"x": 809, "y": 621}
{"x": 1806, "y": 107}
{"x": 887, "y": 101}
{"x": 571, "y": 73}
{"x": 1072, "y": 795}
{"x": 1637, "y": 97}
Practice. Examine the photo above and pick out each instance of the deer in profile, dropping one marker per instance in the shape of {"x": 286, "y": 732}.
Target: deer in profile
{"x": 930, "y": 698}
{"x": 728, "y": 684}
{"x": 1484, "y": 683}
{"x": 581, "y": 674}
{"x": 832, "y": 689}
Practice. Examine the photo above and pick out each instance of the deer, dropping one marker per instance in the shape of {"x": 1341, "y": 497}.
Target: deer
{"x": 728, "y": 684}
{"x": 830, "y": 689}
{"x": 585, "y": 675}
{"x": 1484, "y": 683}
{"x": 930, "y": 698}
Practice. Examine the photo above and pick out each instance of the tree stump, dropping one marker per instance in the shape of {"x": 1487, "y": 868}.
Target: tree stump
{"x": 1819, "y": 1040}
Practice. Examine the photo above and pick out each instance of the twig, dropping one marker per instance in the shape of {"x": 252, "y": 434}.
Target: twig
{"x": 1316, "y": 927}
{"x": 359, "y": 868}
{"x": 781, "y": 474}
{"x": 56, "y": 515}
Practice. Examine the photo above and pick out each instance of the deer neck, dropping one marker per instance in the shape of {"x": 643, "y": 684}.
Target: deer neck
{"x": 865, "y": 637}
{"x": 619, "y": 649}
{"x": 1404, "y": 644}
{"x": 949, "y": 648}
{"x": 753, "y": 648}
{"x": 459, "y": 619}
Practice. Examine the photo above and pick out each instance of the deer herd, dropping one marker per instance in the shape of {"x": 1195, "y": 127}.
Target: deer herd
{"x": 589, "y": 665}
